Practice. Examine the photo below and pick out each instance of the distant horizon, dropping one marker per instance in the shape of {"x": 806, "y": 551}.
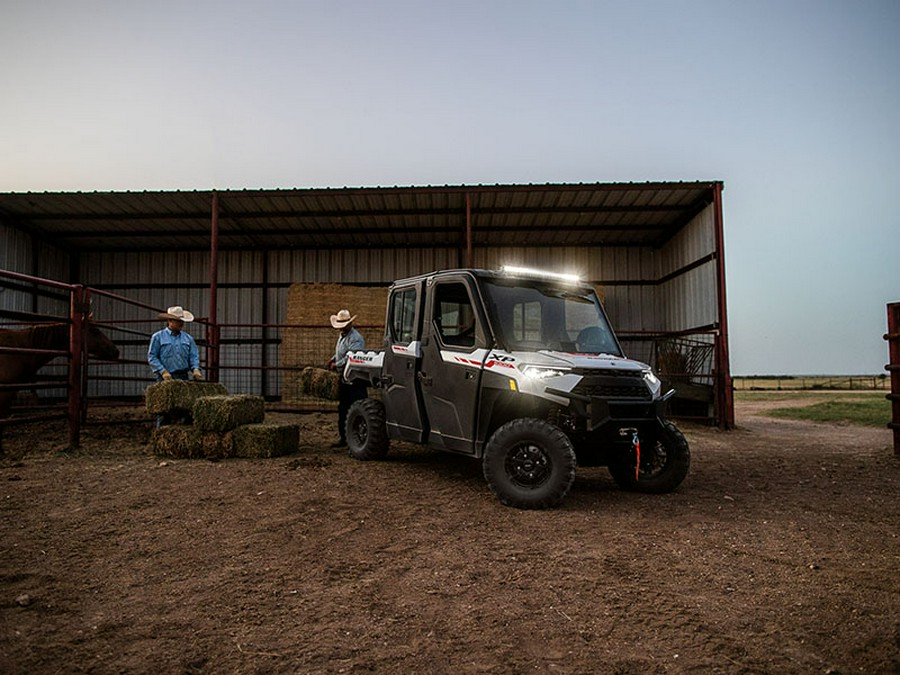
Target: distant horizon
{"x": 813, "y": 375}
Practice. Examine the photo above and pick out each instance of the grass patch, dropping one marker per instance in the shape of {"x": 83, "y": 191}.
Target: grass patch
{"x": 870, "y": 411}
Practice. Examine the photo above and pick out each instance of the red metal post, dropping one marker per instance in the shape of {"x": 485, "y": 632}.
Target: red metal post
{"x": 85, "y": 317}
{"x": 212, "y": 328}
{"x": 893, "y": 367}
{"x": 724, "y": 391}
{"x": 264, "y": 352}
{"x": 76, "y": 364}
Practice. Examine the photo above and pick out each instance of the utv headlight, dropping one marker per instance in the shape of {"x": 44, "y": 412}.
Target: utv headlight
{"x": 653, "y": 382}
{"x": 543, "y": 372}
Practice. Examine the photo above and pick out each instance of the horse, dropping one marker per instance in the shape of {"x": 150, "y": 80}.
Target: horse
{"x": 20, "y": 368}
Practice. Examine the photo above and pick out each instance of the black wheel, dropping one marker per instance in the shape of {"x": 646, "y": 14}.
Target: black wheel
{"x": 529, "y": 464}
{"x": 366, "y": 430}
{"x": 663, "y": 465}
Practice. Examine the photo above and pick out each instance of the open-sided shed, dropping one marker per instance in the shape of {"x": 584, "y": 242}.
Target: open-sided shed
{"x": 655, "y": 250}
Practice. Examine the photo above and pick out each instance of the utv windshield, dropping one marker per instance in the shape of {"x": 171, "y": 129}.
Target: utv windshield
{"x": 530, "y": 315}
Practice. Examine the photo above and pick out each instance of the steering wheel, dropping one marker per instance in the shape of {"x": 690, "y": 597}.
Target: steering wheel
{"x": 592, "y": 340}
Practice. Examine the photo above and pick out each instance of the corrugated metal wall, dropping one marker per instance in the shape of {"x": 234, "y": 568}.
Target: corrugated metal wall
{"x": 690, "y": 300}
{"x": 18, "y": 253}
{"x": 646, "y": 290}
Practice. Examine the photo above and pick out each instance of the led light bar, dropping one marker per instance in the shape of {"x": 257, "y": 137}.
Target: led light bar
{"x": 528, "y": 271}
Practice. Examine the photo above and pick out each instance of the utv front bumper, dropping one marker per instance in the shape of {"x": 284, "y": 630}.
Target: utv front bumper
{"x": 611, "y": 414}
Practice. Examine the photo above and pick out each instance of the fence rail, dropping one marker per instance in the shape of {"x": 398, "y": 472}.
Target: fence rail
{"x": 810, "y": 383}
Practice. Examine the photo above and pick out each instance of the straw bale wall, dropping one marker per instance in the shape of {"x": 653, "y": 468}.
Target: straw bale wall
{"x": 311, "y": 342}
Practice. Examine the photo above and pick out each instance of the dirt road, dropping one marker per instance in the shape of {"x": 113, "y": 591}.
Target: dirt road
{"x": 779, "y": 553}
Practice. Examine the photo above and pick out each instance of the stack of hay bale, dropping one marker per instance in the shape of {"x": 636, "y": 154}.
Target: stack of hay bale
{"x": 223, "y": 425}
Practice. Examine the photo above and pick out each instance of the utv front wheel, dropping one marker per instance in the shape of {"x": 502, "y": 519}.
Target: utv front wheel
{"x": 366, "y": 430}
{"x": 529, "y": 464}
{"x": 663, "y": 464}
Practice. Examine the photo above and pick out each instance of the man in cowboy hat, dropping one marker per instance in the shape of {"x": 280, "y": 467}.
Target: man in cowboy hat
{"x": 173, "y": 352}
{"x": 348, "y": 341}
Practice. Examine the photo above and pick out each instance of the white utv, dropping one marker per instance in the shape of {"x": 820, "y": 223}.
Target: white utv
{"x": 521, "y": 370}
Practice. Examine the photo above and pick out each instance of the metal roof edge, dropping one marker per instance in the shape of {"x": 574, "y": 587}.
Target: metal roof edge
{"x": 463, "y": 187}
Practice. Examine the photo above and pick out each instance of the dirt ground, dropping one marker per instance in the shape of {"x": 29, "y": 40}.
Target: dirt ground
{"x": 778, "y": 554}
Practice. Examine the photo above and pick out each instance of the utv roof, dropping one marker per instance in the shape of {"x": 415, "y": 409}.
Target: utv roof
{"x": 503, "y": 273}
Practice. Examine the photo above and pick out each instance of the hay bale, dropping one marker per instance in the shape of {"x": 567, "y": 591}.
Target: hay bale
{"x": 216, "y": 445}
{"x": 174, "y": 441}
{"x": 266, "y": 440}
{"x": 179, "y": 395}
{"x": 224, "y": 413}
{"x": 186, "y": 442}
{"x": 319, "y": 383}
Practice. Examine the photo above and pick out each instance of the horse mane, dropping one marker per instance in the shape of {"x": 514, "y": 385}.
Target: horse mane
{"x": 50, "y": 336}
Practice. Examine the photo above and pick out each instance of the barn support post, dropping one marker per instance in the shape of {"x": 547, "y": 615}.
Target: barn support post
{"x": 78, "y": 309}
{"x": 893, "y": 367}
{"x": 724, "y": 391}
{"x": 212, "y": 328}
{"x": 266, "y": 320}
{"x": 469, "y": 254}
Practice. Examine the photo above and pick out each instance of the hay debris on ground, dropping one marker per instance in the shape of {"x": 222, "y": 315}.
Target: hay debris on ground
{"x": 266, "y": 440}
{"x": 187, "y": 442}
{"x": 171, "y": 396}
{"x": 224, "y": 413}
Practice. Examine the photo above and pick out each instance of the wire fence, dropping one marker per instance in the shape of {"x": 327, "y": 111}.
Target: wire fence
{"x": 811, "y": 383}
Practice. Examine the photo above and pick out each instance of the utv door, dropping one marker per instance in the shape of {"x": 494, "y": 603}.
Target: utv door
{"x": 402, "y": 359}
{"x": 453, "y": 354}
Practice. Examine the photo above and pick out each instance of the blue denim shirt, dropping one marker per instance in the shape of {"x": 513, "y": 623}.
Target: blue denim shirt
{"x": 172, "y": 352}
{"x": 351, "y": 342}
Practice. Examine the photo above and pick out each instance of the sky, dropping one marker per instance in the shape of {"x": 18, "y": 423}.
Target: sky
{"x": 793, "y": 104}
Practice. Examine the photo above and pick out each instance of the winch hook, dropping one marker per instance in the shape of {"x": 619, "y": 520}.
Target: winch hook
{"x": 636, "y": 444}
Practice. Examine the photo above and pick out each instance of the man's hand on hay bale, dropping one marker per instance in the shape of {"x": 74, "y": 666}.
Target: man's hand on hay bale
{"x": 197, "y": 375}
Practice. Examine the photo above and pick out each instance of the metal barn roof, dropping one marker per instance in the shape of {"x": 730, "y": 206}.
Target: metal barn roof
{"x": 582, "y": 214}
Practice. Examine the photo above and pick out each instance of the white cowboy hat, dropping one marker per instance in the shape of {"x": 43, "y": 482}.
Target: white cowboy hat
{"x": 342, "y": 319}
{"x": 178, "y": 313}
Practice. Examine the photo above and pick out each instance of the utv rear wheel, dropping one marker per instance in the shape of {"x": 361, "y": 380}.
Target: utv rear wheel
{"x": 529, "y": 464}
{"x": 663, "y": 465}
{"x": 366, "y": 430}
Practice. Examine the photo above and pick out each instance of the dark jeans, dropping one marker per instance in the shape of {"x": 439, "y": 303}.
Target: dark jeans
{"x": 347, "y": 395}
